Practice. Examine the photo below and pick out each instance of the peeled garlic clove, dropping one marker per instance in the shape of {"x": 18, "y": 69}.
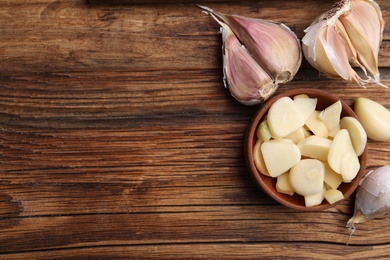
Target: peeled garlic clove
{"x": 247, "y": 81}
{"x": 348, "y": 35}
{"x": 364, "y": 24}
{"x": 374, "y": 117}
{"x": 372, "y": 197}
{"x": 273, "y": 45}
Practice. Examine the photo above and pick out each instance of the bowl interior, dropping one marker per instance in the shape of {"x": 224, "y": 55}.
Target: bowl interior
{"x": 267, "y": 183}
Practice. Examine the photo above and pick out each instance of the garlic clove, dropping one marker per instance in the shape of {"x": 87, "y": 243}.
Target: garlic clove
{"x": 273, "y": 45}
{"x": 374, "y": 117}
{"x": 372, "y": 197}
{"x": 347, "y": 35}
{"x": 314, "y": 50}
{"x": 311, "y": 46}
{"x": 351, "y": 51}
{"x": 247, "y": 81}
{"x": 364, "y": 25}
{"x": 328, "y": 50}
{"x": 337, "y": 53}
{"x": 341, "y": 54}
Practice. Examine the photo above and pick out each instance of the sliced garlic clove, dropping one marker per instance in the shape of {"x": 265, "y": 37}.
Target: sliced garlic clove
{"x": 246, "y": 80}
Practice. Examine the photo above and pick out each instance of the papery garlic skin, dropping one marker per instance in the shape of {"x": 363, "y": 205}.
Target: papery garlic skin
{"x": 349, "y": 35}
{"x": 247, "y": 81}
{"x": 372, "y": 197}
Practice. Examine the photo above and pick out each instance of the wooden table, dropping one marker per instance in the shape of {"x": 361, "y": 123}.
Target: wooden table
{"x": 118, "y": 139}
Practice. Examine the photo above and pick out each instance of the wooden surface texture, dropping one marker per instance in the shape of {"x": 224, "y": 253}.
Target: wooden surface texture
{"x": 118, "y": 139}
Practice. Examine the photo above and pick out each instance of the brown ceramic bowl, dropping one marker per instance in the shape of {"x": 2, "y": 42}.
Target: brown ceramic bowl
{"x": 268, "y": 183}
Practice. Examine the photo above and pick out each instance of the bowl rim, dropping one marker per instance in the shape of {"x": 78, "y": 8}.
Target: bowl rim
{"x": 250, "y": 139}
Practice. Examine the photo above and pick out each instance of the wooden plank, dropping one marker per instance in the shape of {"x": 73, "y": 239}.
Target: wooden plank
{"x": 111, "y": 2}
{"x": 226, "y": 250}
{"x": 125, "y": 95}
{"x": 63, "y": 36}
{"x": 187, "y": 225}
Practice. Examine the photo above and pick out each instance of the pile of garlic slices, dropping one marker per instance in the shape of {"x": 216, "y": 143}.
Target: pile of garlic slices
{"x": 310, "y": 152}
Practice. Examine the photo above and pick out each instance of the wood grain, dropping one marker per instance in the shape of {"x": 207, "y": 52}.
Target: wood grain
{"x": 118, "y": 139}
{"x": 77, "y": 36}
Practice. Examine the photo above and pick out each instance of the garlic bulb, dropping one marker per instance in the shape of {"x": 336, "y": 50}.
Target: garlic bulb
{"x": 255, "y": 46}
{"x": 347, "y": 36}
{"x": 372, "y": 197}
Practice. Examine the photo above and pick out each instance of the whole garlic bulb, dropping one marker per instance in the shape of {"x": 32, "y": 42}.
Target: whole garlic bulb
{"x": 372, "y": 197}
{"x": 348, "y": 35}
